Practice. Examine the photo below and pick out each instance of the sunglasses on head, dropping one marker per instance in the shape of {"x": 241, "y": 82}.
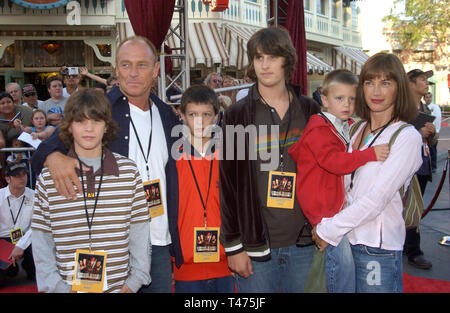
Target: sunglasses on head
{"x": 30, "y": 94}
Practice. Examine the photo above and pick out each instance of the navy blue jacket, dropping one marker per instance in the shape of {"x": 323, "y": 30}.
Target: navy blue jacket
{"x": 121, "y": 113}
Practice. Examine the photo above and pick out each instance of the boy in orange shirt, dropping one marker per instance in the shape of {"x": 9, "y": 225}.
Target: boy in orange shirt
{"x": 205, "y": 266}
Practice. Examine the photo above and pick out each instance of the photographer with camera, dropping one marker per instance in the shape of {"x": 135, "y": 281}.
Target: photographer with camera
{"x": 72, "y": 78}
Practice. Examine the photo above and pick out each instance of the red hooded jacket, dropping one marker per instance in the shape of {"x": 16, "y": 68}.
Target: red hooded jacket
{"x": 322, "y": 161}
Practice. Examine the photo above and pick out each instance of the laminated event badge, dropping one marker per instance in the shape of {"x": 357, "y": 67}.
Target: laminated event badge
{"x": 206, "y": 244}
{"x": 89, "y": 274}
{"x": 281, "y": 190}
{"x": 15, "y": 235}
{"x": 153, "y": 195}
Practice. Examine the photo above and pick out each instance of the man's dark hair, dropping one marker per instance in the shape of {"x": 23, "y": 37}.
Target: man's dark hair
{"x": 273, "y": 41}
{"x": 53, "y": 78}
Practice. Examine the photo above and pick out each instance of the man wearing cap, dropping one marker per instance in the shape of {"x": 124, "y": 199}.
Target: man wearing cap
{"x": 30, "y": 97}
{"x": 418, "y": 81}
{"x": 16, "y": 210}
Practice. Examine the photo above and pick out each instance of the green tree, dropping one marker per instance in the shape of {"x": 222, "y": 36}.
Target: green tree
{"x": 413, "y": 24}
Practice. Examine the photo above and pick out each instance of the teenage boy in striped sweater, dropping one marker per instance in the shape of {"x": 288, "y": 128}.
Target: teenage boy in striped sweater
{"x": 110, "y": 214}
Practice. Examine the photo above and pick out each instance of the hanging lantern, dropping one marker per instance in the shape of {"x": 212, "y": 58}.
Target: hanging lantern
{"x": 217, "y": 5}
{"x": 51, "y": 47}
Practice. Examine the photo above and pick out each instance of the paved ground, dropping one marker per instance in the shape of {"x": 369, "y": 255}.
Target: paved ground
{"x": 436, "y": 223}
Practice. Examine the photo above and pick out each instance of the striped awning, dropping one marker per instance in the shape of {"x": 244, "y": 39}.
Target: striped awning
{"x": 236, "y": 38}
{"x": 316, "y": 65}
{"x": 205, "y": 45}
{"x": 350, "y": 58}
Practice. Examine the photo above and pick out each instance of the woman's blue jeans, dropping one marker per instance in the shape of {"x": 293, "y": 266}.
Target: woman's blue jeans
{"x": 377, "y": 270}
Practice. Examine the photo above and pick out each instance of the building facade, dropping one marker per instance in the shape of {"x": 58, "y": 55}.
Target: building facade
{"x": 37, "y": 39}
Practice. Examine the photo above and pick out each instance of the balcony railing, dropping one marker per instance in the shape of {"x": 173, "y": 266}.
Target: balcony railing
{"x": 332, "y": 30}
{"x": 239, "y": 11}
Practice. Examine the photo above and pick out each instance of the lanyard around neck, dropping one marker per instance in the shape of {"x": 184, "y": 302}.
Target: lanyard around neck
{"x": 371, "y": 143}
{"x": 204, "y": 204}
{"x": 89, "y": 222}
{"x": 282, "y": 147}
{"x": 145, "y": 156}
{"x": 20, "y": 209}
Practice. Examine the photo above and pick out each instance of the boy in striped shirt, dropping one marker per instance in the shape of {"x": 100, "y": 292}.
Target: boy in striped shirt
{"x": 110, "y": 215}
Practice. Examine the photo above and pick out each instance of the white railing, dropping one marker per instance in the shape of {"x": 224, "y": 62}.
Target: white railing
{"x": 253, "y": 13}
{"x": 218, "y": 90}
{"x": 309, "y": 17}
{"x": 322, "y": 25}
{"x": 318, "y": 24}
{"x": 346, "y": 35}
{"x": 336, "y": 27}
{"x": 239, "y": 11}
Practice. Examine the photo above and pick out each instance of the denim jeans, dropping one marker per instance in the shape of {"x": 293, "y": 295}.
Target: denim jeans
{"x": 160, "y": 271}
{"x": 286, "y": 272}
{"x": 216, "y": 285}
{"x": 378, "y": 270}
{"x": 340, "y": 268}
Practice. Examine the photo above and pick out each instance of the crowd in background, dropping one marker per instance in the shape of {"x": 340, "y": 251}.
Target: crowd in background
{"x": 21, "y": 111}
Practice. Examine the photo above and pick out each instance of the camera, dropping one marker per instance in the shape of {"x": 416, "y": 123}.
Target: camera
{"x": 68, "y": 71}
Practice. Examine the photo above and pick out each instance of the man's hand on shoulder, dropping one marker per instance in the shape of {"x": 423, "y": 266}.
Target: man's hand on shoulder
{"x": 62, "y": 170}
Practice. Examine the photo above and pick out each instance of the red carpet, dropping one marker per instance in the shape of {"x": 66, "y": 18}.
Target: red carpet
{"x": 411, "y": 284}
{"x": 19, "y": 289}
{"x": 414, "y": 284}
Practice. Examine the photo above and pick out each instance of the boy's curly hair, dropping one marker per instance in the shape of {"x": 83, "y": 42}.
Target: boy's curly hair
{"x": 91, "y": 104}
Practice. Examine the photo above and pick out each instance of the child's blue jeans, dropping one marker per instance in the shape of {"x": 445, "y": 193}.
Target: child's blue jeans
{"x": 340, "y": 268}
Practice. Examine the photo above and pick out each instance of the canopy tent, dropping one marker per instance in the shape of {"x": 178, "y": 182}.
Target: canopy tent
{"x": 235, "y": 39}
{"x": 205, "y": 45}
{"x": 316, "y": 65}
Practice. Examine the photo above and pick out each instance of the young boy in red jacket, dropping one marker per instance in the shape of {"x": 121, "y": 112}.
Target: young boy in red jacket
{"x": 205, "y": 267}
{"x": 322, "y": 161}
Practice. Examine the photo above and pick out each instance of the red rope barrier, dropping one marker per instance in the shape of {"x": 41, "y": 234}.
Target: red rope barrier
{"x": 438, "y": 191}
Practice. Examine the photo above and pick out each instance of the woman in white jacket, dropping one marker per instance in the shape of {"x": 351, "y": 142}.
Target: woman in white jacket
{"x": 372, "y": 218}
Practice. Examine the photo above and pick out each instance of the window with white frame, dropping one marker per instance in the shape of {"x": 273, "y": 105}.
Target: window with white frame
{"x": 336, "y": 9}
{"x": 321, "y": 7}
